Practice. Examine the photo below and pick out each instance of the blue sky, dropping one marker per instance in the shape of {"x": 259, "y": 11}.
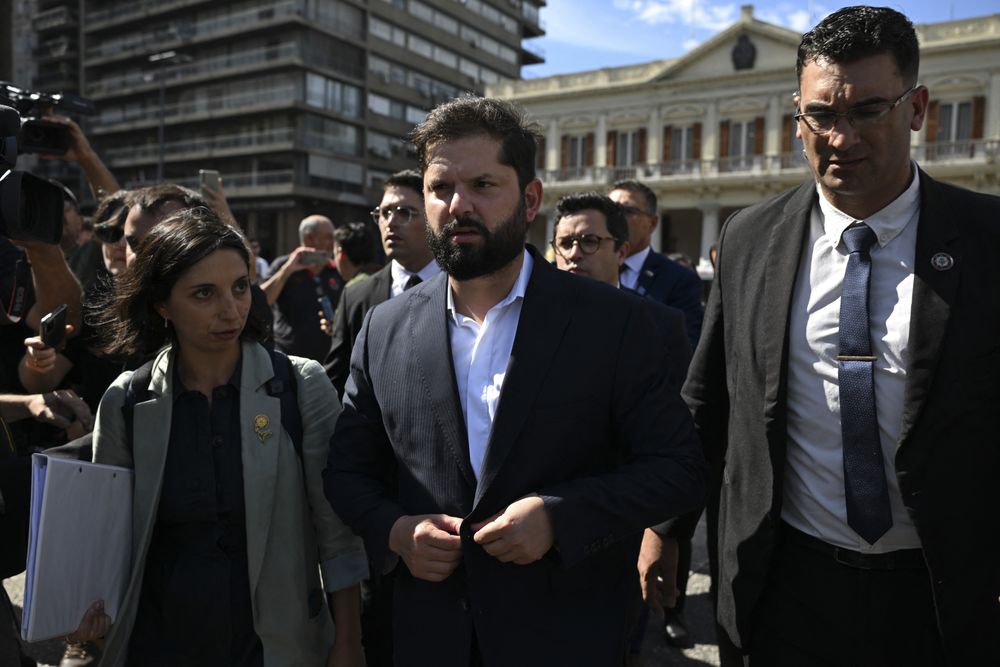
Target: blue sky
{"x": 590, "y": 34}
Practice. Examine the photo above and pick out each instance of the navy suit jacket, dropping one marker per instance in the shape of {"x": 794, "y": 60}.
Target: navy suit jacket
{"x": 355, "y": 301}
{"x": 671, "y": 284}
{"x": 586, "y": 419}
{"x": 948, "y": 458}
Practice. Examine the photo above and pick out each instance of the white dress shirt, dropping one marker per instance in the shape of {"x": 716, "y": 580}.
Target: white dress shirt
{"x": 481, "y": 354}
{"x": 814, "y": 499}
{"x": 629, "y": 276}
{"x": 401, "y": 276}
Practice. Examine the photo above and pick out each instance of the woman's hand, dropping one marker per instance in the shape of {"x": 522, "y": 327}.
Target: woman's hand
{"x": 95, "y": 625}
{"x": 324, "y": 324}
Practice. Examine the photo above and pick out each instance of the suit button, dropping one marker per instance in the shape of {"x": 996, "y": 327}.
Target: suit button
{"x": 464, "y": 604}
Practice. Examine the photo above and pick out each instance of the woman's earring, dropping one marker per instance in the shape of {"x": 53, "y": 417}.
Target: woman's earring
{"x": 166, "y": 323}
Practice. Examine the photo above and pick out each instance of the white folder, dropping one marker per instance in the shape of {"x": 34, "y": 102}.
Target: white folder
{"x": 79, "y": 544}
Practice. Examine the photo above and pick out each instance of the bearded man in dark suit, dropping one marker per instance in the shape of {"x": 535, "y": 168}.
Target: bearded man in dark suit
{"x": 529, "y": 430}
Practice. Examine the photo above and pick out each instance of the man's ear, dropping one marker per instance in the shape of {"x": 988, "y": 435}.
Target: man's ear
{"x": 919, "y": 101}
{"x": 532, "y": 199}
{"x": 623, "y": 252}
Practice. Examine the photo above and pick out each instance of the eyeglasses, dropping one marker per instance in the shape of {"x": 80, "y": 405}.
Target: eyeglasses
{"x": 109, "y": 232}
{"x": 589, "y": 243}
{"x": 823, "y": 122}
{"x": 384, "y": 214}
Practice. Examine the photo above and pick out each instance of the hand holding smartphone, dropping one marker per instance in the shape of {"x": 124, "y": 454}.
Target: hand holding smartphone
{"x": 53, "y": 327}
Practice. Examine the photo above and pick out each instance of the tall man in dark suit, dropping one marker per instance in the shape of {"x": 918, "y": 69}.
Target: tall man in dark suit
{"x": 530, "y": 433}
{"x": 400, "y": 219}
{"x": 648, "y": 272}
{"x": 847, "y": 380}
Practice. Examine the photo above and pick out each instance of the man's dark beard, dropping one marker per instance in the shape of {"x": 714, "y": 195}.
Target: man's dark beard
{"x": 474, "y": 260}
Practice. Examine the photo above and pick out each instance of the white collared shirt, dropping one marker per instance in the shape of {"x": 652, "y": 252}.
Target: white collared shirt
{"x": 814, "y": 498}
{"x": 401, "y": 276}
{"x": 480, "y": 354}
{"x": 629, "y": 276}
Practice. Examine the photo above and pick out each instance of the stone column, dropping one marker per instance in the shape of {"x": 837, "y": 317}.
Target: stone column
{"x": 552, "y": 146}
{"x": 601, "y": 142}
{"x": 992, "y": 128}
{"x": 710, "y": 138}
{"x": 773, "y": 128}
{"x": 654, "y": 132}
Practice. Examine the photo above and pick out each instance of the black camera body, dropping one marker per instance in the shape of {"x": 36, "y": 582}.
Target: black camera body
{"x": 31, "y": 208}
{"x": 38, "y": 135}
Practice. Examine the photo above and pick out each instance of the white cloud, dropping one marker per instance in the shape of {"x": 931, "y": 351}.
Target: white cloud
{"x": 693, "y": 13}
{"x": 575, "y": 23}
{"x": 690, "y": 44}
{"x": 792, "y": 16}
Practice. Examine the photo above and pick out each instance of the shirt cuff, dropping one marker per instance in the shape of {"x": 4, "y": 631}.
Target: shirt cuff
{"x": 344, "y": 570}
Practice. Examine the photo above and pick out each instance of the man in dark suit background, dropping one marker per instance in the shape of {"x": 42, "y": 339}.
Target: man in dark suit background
{"x": 400, "y": 219}
{"x": 648, "y": 272}
{"x": 846, "y": 384}
{"x": 531, "y": 431}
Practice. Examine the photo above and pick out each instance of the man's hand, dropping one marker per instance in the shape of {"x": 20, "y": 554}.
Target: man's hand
{"x": 324, "y": 324}
{"x": 658, "y": 571}
{"x": 79, "y": 147}
{"x": 94, "y": 625}
{"x": 521, "y": 534}
{"x": 60, "y": 408}
{"x": 217, "y": 200}
{"x": 428, "y": 543}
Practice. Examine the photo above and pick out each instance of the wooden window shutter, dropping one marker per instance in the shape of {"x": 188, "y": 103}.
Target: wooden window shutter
{"x": 588, "y": 150}
{"x": 978, "y": 109}
{"x": 758, "y": 135}
{"x": 696, "y": 141}
{"x": 540, "y": 154}
{"x": 787, "y": 133}
{"x": 932, "y": 122}
{"x": 612, "y": 146}
{"x": 564, "y": 153}
{"x": 668, "y": 133}
{"x": 641, "y": 150}
{"x": 724, "y": 139}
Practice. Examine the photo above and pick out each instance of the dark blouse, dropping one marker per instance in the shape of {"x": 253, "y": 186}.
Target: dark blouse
{"x": 195, "y": 606}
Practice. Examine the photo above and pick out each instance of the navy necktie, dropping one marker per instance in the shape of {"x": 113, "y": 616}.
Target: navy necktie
{"x": 868, "y": 512}
{"x": 413, "y": 281}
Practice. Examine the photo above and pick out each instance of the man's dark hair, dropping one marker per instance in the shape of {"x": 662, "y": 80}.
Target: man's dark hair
{"x": 68, "y": 196}
{"x": 357, "y": 242}
{"x": 853, "y": 33}
{"x": 408, "y": 178}
{"x": 614, "y": 214}
{"x": 637, "y": 188}
{"x": 470, "y": 116}
{"x": 151, "y": 199}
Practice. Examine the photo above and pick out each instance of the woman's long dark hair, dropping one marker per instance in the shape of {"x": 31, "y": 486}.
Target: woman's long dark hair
{"x": 128, "y": 321}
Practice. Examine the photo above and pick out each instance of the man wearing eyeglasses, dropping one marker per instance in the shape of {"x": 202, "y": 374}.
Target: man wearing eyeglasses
{"x": 648, "y": 272}
{"x": 400, "y": 219}
{"x": 848, "y": 381}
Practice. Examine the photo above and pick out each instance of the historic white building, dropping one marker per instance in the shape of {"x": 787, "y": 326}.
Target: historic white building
{"x": 712, "y": 131}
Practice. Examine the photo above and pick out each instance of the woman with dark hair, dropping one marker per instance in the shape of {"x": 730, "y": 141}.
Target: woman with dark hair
{"x": 230, "y": 524}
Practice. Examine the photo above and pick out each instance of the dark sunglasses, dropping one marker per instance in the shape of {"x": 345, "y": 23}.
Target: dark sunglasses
{"x": 109, "y": 232}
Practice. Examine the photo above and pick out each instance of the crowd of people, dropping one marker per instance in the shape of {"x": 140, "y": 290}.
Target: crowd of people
{"x": 484, "y": 453}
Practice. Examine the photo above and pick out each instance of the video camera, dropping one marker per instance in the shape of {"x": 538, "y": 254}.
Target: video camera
{"x": 31, "y": 208}
{"x": 38, "y": 135}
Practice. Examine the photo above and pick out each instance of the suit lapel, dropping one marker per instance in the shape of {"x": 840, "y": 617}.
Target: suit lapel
{"x": 149, "y": 452}
{"x": 933, "y": 293}
{"x": 260, "y": 413}
{"x": 427, "y": 318}
{"x": 789, "y": 235}
{"x": 647, "y": 273}
{"x": 545, "y": 314}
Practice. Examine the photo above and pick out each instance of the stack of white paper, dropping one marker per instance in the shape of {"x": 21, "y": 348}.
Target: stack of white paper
{"x": 79, "y": 545}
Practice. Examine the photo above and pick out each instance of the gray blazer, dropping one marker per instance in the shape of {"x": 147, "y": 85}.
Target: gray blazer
{"x": 291, "y": 528}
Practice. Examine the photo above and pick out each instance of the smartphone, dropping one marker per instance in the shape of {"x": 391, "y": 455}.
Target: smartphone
{"x": 53, "y": 327}
{"x": 209, "y": 178}
{"x": 314, "y": 257}
{"x": 327, "y": 306}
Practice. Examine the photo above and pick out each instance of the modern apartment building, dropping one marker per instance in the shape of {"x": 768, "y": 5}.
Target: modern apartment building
{"x": 302, "y": 105}
{"x": 712, "y": 131}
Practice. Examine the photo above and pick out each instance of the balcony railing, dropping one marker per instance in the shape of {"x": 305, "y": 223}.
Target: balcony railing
{"x": 216, "y": 65}
{"x": 235, "y": 183}
{"x": 977, "y": 150}
{"x": 137, "y": 43}
{"x": 206, "y": 107}
{"x": 52, "y": 19}
{"x": 120, "y": 12}
{"x": 201, "y": 147}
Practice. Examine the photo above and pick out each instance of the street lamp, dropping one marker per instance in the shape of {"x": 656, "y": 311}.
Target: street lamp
{"x": 162, "y": 59}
